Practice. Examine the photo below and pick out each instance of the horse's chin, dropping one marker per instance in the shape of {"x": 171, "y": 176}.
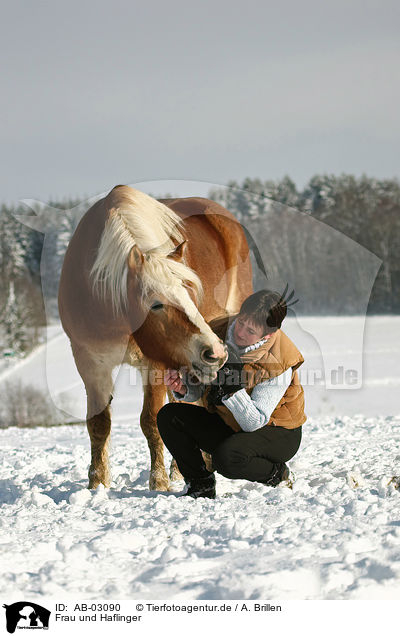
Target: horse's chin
{"x": 205, "y": 377}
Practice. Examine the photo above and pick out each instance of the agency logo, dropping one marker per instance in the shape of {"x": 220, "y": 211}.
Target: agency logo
{"x": 26, "y": 615}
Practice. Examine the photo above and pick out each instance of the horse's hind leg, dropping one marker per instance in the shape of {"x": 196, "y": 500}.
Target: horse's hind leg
{"x": 99, "y": 428}
{"x": 96, "y": 374}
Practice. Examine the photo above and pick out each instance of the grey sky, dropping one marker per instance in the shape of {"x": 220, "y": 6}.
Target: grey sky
{"x": 96, "y": 93}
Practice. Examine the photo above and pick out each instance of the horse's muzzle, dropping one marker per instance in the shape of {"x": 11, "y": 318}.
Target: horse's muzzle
{"x": 208, "y": 357}
{"x": 206, "y": 370}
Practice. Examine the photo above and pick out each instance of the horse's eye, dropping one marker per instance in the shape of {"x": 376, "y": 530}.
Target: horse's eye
{"x": 156, "y": 306}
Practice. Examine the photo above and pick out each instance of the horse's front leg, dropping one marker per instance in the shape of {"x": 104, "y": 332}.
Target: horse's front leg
{"x": 154, "y": 396}
{"x": 95, "y": 369}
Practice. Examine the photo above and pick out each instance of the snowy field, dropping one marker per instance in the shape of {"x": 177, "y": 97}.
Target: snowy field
{"x": 335, "y": 535}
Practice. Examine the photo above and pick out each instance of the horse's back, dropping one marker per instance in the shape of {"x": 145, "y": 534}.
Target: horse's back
{"x": 218, "y": 252}
{"x": 215, "y": 219}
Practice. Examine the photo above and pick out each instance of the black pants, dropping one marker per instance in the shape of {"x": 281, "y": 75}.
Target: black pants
{"x": 187, "y": 429}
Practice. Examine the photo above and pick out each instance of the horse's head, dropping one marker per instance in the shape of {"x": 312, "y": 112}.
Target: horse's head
{"x": 164, "y": 317}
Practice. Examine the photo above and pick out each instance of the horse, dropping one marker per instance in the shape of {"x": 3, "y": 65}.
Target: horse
{"x": 140, "y": 282}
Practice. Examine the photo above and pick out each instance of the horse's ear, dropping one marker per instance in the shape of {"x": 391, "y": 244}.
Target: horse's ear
{"x": 135, "y": 258}
{"x": 179, "y": 252}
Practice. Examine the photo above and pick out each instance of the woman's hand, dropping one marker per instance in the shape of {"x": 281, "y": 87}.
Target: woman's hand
{"x": 174, "y": 382}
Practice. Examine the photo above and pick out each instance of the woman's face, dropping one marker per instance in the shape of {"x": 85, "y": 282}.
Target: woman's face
{"x": 246, "y": 333}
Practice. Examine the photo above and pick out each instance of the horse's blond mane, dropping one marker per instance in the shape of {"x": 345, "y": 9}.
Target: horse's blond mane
{"x": 152, "y": 226}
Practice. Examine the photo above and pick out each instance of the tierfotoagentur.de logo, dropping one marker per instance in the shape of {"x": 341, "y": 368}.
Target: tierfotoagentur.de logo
{"x": 26, "y": 615}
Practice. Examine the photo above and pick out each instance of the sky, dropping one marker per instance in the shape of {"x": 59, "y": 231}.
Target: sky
{"x": 97, "y": 93}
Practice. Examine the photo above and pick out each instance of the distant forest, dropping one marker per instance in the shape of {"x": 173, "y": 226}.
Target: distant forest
{"x": 330, "y": 273}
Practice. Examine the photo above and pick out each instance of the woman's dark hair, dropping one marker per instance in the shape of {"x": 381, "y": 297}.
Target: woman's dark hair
{"x": 267, "y": 308}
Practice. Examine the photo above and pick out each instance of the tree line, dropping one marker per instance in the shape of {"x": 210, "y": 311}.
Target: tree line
{"x": 22, "y": 310}
{"x": 336, "y": 242}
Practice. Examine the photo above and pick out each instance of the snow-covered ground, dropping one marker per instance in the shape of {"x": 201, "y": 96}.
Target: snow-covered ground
{"x": 335, "y": 535}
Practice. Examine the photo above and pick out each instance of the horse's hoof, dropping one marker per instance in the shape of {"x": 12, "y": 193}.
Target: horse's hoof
{"x": 159, "y": 481}
{"x": 174, "y": 472}
{"x": 160, "y": 485}
{"x": 96, "y": 478}
{"x": 207, "y": 460}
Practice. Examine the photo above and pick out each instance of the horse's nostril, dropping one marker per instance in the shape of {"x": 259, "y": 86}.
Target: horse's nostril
{"x": 207, "y": 355}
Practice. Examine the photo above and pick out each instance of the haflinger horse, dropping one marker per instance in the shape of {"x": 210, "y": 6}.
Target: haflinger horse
{"x": 141, "y": 280}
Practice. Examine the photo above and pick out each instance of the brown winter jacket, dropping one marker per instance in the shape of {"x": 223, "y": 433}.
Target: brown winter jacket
{"x": 268, "y": 361}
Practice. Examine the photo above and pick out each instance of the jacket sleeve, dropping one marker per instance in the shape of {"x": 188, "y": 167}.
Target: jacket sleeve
{"x": 194, "y": 391}
{"x": 253, "y": 412}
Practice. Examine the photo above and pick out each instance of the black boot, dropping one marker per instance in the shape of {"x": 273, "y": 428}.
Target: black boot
{"x": 201, "y": 487}
{"x": 279, "y": 473}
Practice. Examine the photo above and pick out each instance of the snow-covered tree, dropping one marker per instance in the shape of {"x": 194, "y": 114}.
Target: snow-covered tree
{"x": 15, "y": 323}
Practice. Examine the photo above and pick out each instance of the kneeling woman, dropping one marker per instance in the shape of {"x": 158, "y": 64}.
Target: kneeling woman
{"x": 250, "y": 425}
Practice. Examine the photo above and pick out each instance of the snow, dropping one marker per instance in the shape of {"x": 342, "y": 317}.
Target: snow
{"x": 335, "y": 535}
